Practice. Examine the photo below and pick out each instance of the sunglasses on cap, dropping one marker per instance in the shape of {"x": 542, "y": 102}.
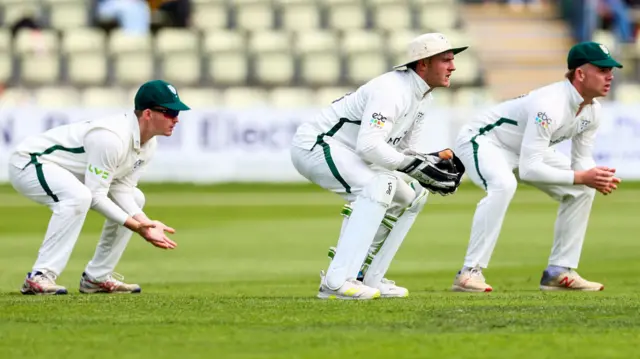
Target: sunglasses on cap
{"x": 167, "y": 112}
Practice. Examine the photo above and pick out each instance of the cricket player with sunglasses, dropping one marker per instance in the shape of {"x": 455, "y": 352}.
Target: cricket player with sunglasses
{"x": 95, "y": 164}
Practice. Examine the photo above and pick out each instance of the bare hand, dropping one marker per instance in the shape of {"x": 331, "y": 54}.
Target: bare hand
{"x": 157, "y": 237}
{"x": 143, "y": 226}
{"x": 601, "y": 178}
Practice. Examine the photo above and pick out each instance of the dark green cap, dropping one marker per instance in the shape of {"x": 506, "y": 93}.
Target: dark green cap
{"x": 158, "y": 93}
{"x": 590, "y": 53}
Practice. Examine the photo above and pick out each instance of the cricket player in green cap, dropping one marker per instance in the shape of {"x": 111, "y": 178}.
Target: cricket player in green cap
{"x": 95, "y": 164}
{"x": 513, "y": 141}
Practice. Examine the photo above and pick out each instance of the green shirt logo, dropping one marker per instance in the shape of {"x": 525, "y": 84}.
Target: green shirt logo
{"x": 98, "y": 172}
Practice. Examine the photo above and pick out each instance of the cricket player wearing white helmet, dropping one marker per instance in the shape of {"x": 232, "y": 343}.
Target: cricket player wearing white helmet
{"x": 95, "y": 164}
{"x": 360, "y": 147}
{"x": 515, "y": 138}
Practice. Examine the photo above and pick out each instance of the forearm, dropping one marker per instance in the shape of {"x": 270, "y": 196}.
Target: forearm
{"x": 532, "y": 165}
{"x": 106, "y": 207}
{"x": 141, "y": 217}
{"x": 380, "y": 154}
{"x": 582, "y": 151}
{"x": 125, "y": 199}
{"x": 103, "y": 150}
{"x": 542, "y": 173}
{"x": 583, "y": 164}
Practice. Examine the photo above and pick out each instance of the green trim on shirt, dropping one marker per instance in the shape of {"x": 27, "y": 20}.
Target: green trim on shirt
{"x": 327, "y": 150}
{"x": 481, "y": 132}
{"x": 38, "y": 166}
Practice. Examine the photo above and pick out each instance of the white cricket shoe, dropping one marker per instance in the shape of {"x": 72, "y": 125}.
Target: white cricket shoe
{"x": 389, "y": 289}
{"x": 112, "y": 284}
{"x": 42, "y": 283}
{"x": 352, "y": 289}
{"x": 470, "y": 280}
{"x": 569, "y": 280}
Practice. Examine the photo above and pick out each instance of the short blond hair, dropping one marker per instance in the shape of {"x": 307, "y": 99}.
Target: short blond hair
{"x": 570, "y": 75}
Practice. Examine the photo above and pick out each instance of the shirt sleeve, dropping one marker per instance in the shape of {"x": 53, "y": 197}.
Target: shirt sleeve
{"x": 122, "y": 195}
{"x": 381, "y": 112}
{"x": 582, "y": 150}
{"x": 413, "y": 140}
{"x": 541, "y": 122}
{"x": 121, "y": 191}
{"x": 103, "y": 148}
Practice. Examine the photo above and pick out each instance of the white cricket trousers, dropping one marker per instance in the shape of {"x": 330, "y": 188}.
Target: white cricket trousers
{"x": 70, "y": 201}
{"x": 493, "y": 168}
{"x": 337, "y": 168}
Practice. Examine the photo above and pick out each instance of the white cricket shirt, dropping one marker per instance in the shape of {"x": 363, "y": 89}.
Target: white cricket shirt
{"x": 379, "y": 120}
{"x": 104, "y": 154}
{"x": 530, "y": 124}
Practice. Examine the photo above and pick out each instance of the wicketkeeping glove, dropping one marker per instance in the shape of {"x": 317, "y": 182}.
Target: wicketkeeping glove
{"x": 451, "y": 164}
{"x": 439, "y": 172}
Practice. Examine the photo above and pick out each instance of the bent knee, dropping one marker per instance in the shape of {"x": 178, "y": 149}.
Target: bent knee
{"x": 410, "y": 196}
{"x": 588, "y": 191}
{"x": 79, "y": 201}
{"x": 582, "y": 191}
{"x": 405, "y": 194}
{"x": 419, "y": 200}
{"x": 504, "y": 187}
{"x": 381, "y": 188}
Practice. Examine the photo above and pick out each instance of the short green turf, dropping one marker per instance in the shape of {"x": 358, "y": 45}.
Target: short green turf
{"x": 242, "y": 283}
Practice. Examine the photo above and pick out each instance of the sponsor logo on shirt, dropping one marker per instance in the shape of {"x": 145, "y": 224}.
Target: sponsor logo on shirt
{"x": 377, "y": 120}
{"x": 98, "y": 172}
{"x": 394, "y": 141}
{"x": 583, "y": 125}
{"x": 542, "y": 120}
{"x": 137, "y": 164}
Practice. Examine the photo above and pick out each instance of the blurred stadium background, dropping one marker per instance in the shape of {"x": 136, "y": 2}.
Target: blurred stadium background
{"x": 291, "y": 53}
{"x": 243, "y": 279}
{"x": 254, "y": 69}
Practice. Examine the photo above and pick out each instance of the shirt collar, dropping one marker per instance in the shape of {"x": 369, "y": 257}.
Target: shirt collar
{"x": 420, "y": 86}
{"x": 135, "y": 130}
{"x": 574, "y": 96}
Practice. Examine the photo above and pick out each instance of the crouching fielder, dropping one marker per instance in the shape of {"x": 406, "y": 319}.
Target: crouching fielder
{"x": 359, "y": 146}
{"x": 95, "y": 165}
{"x": 515, "y": 137}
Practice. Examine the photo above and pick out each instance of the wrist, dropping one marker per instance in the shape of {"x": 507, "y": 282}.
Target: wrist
{"x": 141, "y": 217}
{"x": 406, "y": 164}
{"x": 133, "y": 225}
{"x": 578, "y": 177}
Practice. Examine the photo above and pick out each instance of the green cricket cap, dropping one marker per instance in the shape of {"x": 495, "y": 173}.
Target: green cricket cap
{"x": 158, "y": 93}
{"x": 590, "y": 53}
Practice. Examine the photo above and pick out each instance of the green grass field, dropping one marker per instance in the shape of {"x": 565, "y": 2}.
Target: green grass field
{"x": 242, "y": 283}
